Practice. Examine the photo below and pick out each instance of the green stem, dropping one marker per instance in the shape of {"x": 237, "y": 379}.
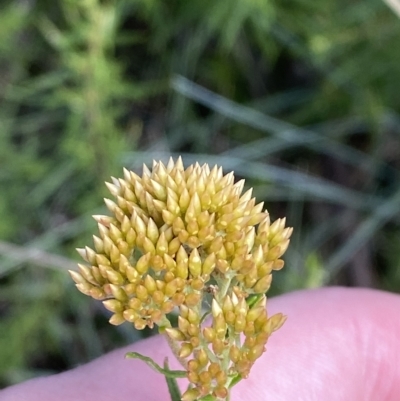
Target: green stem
{"x": 173, "y": 388}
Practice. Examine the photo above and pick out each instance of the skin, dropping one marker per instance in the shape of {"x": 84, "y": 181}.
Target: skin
{"x": 337, "y": 345}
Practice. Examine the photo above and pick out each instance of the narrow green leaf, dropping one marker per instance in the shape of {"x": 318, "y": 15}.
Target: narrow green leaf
{"x": 235, "y": 380}
{"x": 207, "y": 398}
{"x": 155, "y": 366}
{"x": 253, "y": 299}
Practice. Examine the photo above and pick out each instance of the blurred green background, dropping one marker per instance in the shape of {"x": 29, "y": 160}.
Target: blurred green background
{"x": 300, "y": 98}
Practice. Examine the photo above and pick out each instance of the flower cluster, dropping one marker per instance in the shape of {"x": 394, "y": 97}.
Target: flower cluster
{"x": 181, "y": 239}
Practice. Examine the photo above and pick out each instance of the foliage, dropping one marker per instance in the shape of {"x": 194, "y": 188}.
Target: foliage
{"x": 300, "y": 98}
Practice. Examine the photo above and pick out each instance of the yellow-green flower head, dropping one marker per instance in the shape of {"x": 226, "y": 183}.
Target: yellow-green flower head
{"x": 176, "y": 234}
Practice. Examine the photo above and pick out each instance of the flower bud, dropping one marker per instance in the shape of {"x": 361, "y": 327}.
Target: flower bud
{"x": 150, "y": 284}
{"x": 265, "y": 269}
{"x": 114, "y": 277}
{"x": 254, "y": 313}
{"x": 193, "y": 330}
{"x": 215, "y": 308}
{"x": 263, "y": 284}
{"x": 118, "y": 293}
{"x": 194, "y": 263}
{"x": 193, "y": 227}
{"x": 183, "y": 236}
{"x": 167, "y": 307}
{"x": 97, "y": 293}
{"x": 171, "y": 288}
{"x": 255, "y": 352}
{"x": 278, "y": 264}
{"x": 275, "y": 322}
{"x": 104, "y": 220}
{"x": 141, "y": 292}
{"x": 197, "y": 284}
{"x": 158, "y": 190}
{"x": 191, "y": 394}
{"x": 234, "y": 353}
{"x": 222, "y": 266}
{"x": 175, "y": 334}
{"x": 158, "y": 297}
{"x": 142, "y": 264}
{"x": 178, "y": 299}
{"x": 132, "y": 274}
{"x": 209, "y": 264}
{"x": 240, "y": 323}
{"x": 193, "y": 317}
{"x": 192, "y": 299}
{"x": 230, "y": 317}
{"x": 193, "y": 365}
{"x": 131, "y": 237}
{"x": 221, "y": 377}
{"x": 201, "y": 357}
{"x": 130, "y": 315}
{"x": 195, "y": 341}
{"x": 193, "y": 242}
{"x": 209, "y": 334}
{"x": 84, "y": 288}
{"x": 140, "y": 324}
{"x": 220, "y": 326}
{"x": 113, "y": 305}
{"x": 220, "y": 392}
{"x": 216, "y": 245}
{"x": 135, "y": 304}
{"x": 97, "y": 275}
{"x": 205, "y": 377}
{"x": 178, "y": 225}
{"x": 218, "y": 346}
{"x": 227, "y": 304}
{"x": 77, "y": 277}
{"x": 186, "y": 350}
{"x": 174, "y": 246}
{"x": 117, "y": 319}
{"x": 194, "y": 208}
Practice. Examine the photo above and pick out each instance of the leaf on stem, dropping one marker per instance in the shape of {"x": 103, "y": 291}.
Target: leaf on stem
{"x": 165, "y": 371}
{"x": 253, "y": 299}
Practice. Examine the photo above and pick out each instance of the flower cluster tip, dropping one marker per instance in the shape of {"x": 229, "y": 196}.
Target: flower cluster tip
{"x": 178, "y": 239}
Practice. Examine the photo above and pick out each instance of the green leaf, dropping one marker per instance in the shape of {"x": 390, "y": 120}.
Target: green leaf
{"x": 155, "y": 366}
{"x": 173, "y": 388}
{"x": 235, "y": 380}
{"x": 253, "y": 299}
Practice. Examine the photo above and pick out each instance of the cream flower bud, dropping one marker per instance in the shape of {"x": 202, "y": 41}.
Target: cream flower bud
{"x": 190, "y": 395}
{"x": 194, "y": 263}
{"x": 78, "y": 278}
{"x": 113, "y": 305}
{"x": 263, "y": 284}
{"x": 175, "y": 334}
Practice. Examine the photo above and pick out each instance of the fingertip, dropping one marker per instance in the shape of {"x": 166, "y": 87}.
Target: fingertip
{"x": 337, "y": 344}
